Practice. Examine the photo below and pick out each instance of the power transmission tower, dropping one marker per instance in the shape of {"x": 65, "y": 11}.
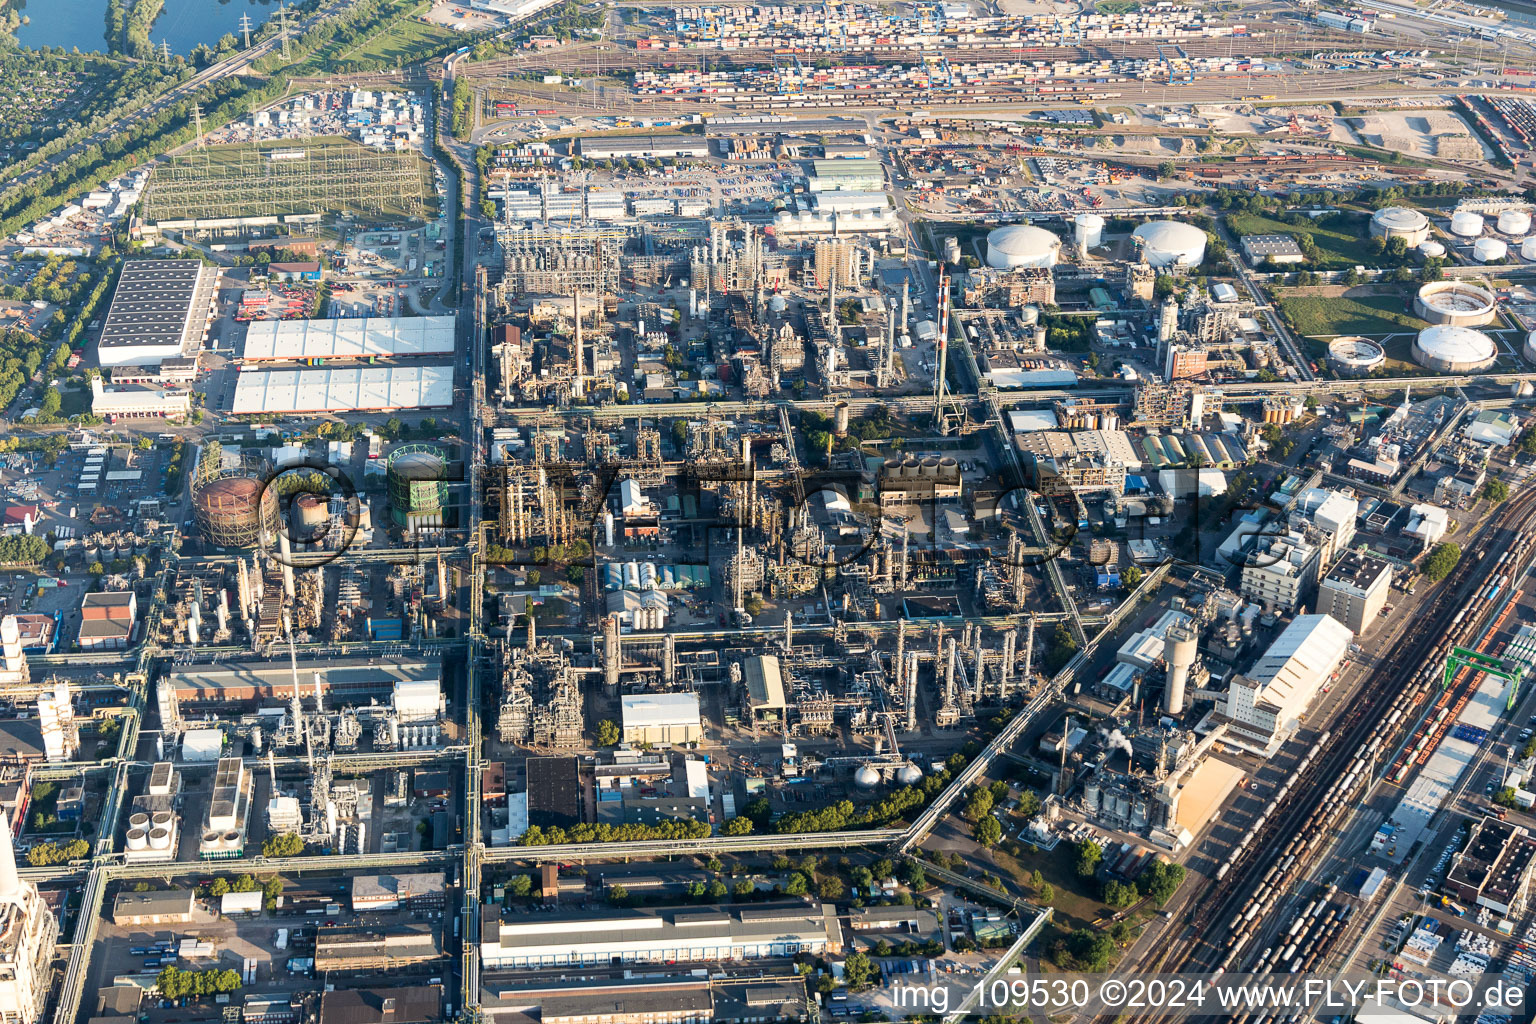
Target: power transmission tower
{"x": 165, "y": 51}
{"x": 197, "y": 123}
{"x": 282, "y": 27}
{"x": 245, "y": 27}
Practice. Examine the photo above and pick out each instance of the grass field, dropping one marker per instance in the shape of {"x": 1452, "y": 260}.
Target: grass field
{"x": 335, "y": 174}
{"x": 1337, "y": 248}
{"x": 1326, "y": 316}
{"x": 406, "y": 41}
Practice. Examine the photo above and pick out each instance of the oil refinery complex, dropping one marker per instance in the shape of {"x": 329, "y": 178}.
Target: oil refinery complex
{"x": 736, "y": 513}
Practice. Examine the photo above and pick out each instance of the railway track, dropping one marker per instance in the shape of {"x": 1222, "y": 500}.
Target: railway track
{"x": 1225, "y": 920}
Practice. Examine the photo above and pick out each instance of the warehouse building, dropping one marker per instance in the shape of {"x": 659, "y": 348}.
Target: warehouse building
{"x": 360, "y": 389}
{"x": 1493, "y": 869}
{"x": 1274, "y": 248}
{"x": 554, "y": 791}
{"x": 1265, "y": 705}
{"x": 415, "y": 1004}
{"x": 107, "y": 620}
{"x": 160, "y": 310}
{"x": 352, "y": 948}
{"x": 667, "y": 999}
{"x": 399, "y": 892}
{"x": 374, "y": 337}
{"x": 651, "y": 934}
{"x": 349, "y": 680}
{"x": 841, "y": 175}
{"x": 661, "y": 718}
{"x": 1355, "y": 591}
{"x": 170, "y": 906}
{"x": 138, "y": 401}
{"x": 644, "y": 147}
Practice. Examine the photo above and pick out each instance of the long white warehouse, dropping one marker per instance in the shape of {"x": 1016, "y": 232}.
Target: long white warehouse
{"x": 363, "y": 389}
{"x": 647, "y": 934}
{"x": 1265, "y": 705}
{"x": 374, "y": 337}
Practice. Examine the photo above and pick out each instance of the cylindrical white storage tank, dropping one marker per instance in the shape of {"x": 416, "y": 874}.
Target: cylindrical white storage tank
{"x": 1022, "y": 245}
{"x": 160, "y": 839}
{"x": 1088, "y": 230}
{"x": 1400, "y": 222}
{"x": 138, "y": 820}
{"x": 138, "y": 839}
{"x": 1467, "y": 224}
{"x": 1354, "y": 357}
{"x": 1029, "y": 315}
{"x": 1171, "y": 243}
{"x": 1454, "y": 349}
{"x": 162, "y": 819}
{"x": 1530, "y": 346}
{"x": 1515, "y": 222}
{"x": 1489, "y": 250}
{"x": 1431, "y": 249}
{"x": 1528, "y": 249}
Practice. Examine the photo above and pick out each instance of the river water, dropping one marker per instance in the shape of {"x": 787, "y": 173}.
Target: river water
{"x": 182, "y": 23}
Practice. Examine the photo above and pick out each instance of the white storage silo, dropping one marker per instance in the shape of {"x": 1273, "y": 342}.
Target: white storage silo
{"x": 1528, "y": 249}
{"x": 1088, "y": 230}
{"x": 1020, "y": 245}
{"x": 1515, "y": 222}
{"x": 1431, "y": 249}
{"x": 1467, "y": 224}
{"x": 1489, "y": 250}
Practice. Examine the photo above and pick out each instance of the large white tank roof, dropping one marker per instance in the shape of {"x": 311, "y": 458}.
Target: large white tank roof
{"x": 1022, "y": 245}
{"x": 1400, "y": 218}
{"x": 1170, "y": 241}
{"x": 1448, "y": 345}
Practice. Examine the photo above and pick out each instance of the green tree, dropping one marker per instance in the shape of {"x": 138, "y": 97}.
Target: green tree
{"x": 1131, "y": 576}
{"x": 1442, "y": 560}
{"x": 1089, "y": 854}
{"x": 520, "y": 885}
{"x": 737, "y": 826}
{"x": 978, "y": 806}
{"x": 1119, "y": 894}
{"x": 831, "y": 888}
{"x": 743, "y": 888}
{"x": 284, "y": 844}
{"x": 988, "y": 831}
{"x": 1505, "y": 797}
{"x": 717, "y": 891}
{"x": 1160, "y": 881}
{"x": 608, "y": 734}
{"x": 858, "y": 972}
{"x": 618, "y": 895}
{"x": 1046, "y": 894}
{"x": 796, "y": 885}
{"x": 1496, "y": 491}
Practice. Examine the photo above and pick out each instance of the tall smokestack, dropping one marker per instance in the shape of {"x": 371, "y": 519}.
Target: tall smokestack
{"x": 1182, "y": 649}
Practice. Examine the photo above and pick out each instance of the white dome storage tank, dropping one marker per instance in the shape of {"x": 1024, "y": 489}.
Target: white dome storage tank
{"x": 1515, "y": 222}
{"x": 1400, "y": 222}
{"x": 1467, "y": 224}
{"x": 909, "y": 774}
{"x": 1171, "y": 243}
{"x": 1021, "y": 245}
{"x": 1431, "y": 249}
{"x": 1088, "y": 230}
{"x": 1489, "y": 250}
{"x": 1029, "y": 316}
{"x": 1530, "y": 347}
{"x": 866, "y": 777}
{"x": 1453, "y": 349}
{"x": 1528, "y": 249}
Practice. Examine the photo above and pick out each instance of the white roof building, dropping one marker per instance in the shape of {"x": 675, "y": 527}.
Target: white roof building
{"x": 362, "y": 389}
{"x": 1265, "y": 705}
{"x": 356, "y": 338}
{"x": 1428, "y": 523}
{"x": 658, "y": 718}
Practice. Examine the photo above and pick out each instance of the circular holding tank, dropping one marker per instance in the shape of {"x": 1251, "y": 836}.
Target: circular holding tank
{"x": 1354, "y": 357}
{"x": 138, "y": 820}
{"x": 1530, "y": 347}
{"x": 232, "y": 836}
{"x": 163, "y": 819}
{"x": 1431, "y": 249}
{"x": 311, "y": 510}
{"x": 1452, "y": 349}
{"x": 1467, "y": 224}
{"x": 909, "y": 774}
{"x": 1489, "y": 250}
{"x": 235, "y": 509}
{"x": 1171, "y": 243}
{"x": 160, "y": 839}
{"x": 210, "y": 837}
{"x": 1022, "y": 245}
{"x": 138, "y": 839}
{"x": 1456, "y": 302}
{"x": 1088, "y": 230}
{"x": 416, "y": 481}
{"x": 1515, "y": 222}
{"x": 840, "y": 419}
{"x": 1029, "y": 316}
{"x": 866, "y": 777}
{"x": 1400, "y": 222}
